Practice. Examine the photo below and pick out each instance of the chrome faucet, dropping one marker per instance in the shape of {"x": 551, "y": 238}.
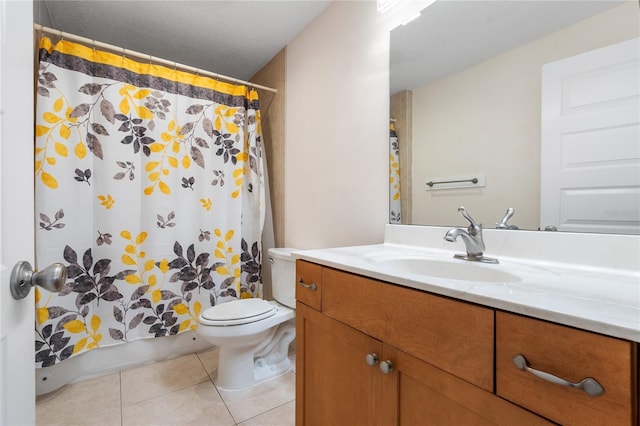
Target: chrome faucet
{"x": 503, "y": 222}
{"x": 472, "y": 238}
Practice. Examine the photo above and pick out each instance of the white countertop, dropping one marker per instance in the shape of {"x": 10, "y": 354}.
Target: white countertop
{"x": 598, "y": 299}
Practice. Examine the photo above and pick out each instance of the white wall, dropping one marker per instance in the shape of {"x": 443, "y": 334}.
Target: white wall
{"x": 337, "y": 103}
{"x": 486, "y": 119}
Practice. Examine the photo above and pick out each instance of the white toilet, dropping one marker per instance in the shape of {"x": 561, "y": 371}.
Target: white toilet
{"x": 253, "y": 335}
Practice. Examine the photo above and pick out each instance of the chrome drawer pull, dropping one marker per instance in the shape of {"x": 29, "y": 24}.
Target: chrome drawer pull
{"x": 588, "y": 385}
{"x": 311, "y": 286}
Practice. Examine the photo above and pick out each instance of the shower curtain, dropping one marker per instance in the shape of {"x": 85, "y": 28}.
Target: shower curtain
{"x": 395, "y": 211}
{"x": 149, "y": 189}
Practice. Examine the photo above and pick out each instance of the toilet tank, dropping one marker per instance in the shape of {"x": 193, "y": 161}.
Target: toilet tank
{"x": 283, "y": 276}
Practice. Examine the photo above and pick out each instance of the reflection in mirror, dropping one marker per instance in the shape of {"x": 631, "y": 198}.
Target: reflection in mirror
{"x": 467, "y": 101}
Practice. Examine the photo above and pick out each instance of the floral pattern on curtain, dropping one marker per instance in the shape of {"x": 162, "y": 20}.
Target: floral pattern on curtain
{"x": 149, "y": 189}
{"x": 395, "y": 210}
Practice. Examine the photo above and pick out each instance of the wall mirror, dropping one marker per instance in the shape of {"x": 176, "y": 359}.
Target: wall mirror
{"x": 466, "y": 84}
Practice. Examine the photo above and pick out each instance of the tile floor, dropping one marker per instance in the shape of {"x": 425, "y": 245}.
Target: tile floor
{"x": 180, "y": 391}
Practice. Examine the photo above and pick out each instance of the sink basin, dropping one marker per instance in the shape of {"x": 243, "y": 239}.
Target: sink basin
{"x": 448, "y": 269}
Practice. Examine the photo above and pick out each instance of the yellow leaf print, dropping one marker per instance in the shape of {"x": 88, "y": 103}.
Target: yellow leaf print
{"x": 42, "y": 314}
{"x": 49, "y": 180}
{"x": 186, "y": 162}
{"x": 61, "y": 149}
{"x": 92, "y": 345}
{"x": 219, "y": 254}
{"x": 80, "y": 150}
{"x": 133, "y": 279}
{"x": 130, "y": 248}
{"x": 58, "y": 104}
{"x": 126, "y": 235}
{"x": 245, "y": 295}
{"x": 65, "y": 132}
{"x": 237, "y": 173}
{"x": 142, "y": 93}
{"x": 173, "y": 161}
{"x": 37, "y": 295}
{"x": 222, "y": 270}
{"x": 41, "y": 130}
{"x": 149, "y": 190}
{"x": 165, "y": 137}
{"x": 124, "y": 106}
{"x": 151, "y": 165}
{"x": 152, "y": 280}
{"x": 80, "y": 344}
{"x": 181, "y": 309}
{"x": 164, "y": 188}
{"x": 75, "y": 326}
{"x": 235, "y": 194}
{"x": 149, "y": 265}
{"x": 128, "y": 260}
{"x": 156, "y": 296}
{"x": 217, "y": 232}
{"x": 242, "y": 156}
{"x": 175, "y": 147}
{"x": 107, "y": 201}
{"x": 206, "y": 203}
{"x": 141, "y": 237}
{"x": 50, "y": 118}
{"x": 154, "y": 176}
{"x": 51, "y": 160}
{"x": 156, "y": 147}
{"x": 232, "y": 128}
{"x": 144, "y": 112}
{"x": 172, "y": 125}
{"x": 228, "y": 235}
{"x": 184, "y": 325}
{"x": 197, "y": 307}
{"x": 218, "y": 123}
{"x": 95, "y": 323}
{"x": 164, "y": 266}
{"x": 235, "y": 259}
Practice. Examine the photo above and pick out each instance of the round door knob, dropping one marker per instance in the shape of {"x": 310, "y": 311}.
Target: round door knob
{"x": 372, "y": 359}
{"x": 386, "y": 367}
{"x": 51, "y": 278}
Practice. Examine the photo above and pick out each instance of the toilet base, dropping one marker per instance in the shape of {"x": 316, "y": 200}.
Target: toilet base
{"x": 239, "y": 368}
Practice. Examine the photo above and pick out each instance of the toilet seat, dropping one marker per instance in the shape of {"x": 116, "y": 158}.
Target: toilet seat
{"x": 237, "y": 312}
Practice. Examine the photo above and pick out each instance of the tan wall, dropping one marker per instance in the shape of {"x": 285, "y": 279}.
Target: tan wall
{"x": 486, "y": 119}
{"x": 337, "y": 102}
{"x": 272, "y": 107}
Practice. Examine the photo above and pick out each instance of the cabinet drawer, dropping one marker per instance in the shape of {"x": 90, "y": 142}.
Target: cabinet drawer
{"x": 572, "y": 355}
{"x": 454, "y": 336}
{"x": 309, "y": 284}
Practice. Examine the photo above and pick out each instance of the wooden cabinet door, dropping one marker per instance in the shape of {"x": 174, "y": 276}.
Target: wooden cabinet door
{"x": 334, "y": 384}
{"x": 417, "y": 393}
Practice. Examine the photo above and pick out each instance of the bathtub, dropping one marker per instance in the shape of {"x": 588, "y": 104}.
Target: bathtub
{"x": 99, "y": 362}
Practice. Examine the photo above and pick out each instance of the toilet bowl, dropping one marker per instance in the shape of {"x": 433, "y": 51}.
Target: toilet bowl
{"x": 253, "y": 335}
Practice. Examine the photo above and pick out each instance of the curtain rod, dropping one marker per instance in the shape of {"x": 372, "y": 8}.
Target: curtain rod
{"x": 133, "y": 53}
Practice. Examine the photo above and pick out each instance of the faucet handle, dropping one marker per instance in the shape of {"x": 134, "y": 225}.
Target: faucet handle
{"x": 466, "y": 215}
{"x": 503, "y": 222}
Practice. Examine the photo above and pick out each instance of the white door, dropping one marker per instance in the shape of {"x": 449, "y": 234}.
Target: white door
{"x": 17, "y": 366}
{"x": 590, "y": 163}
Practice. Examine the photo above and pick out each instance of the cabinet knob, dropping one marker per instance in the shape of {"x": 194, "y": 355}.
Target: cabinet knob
{"x": 372, "y": 359}
{"x": 311, "y": 286}
{"x": 588, "y": 385}
{"x": 386, "y": 367}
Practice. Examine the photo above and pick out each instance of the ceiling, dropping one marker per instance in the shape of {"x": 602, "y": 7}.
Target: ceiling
{"x": 450, "y": 36}
{"x": 233, "y": 38}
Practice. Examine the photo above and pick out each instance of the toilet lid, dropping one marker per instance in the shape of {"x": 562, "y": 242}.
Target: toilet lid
{"x": 237, "y": 312}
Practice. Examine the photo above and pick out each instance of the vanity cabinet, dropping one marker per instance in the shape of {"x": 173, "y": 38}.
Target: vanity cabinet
{"x": 370, "y": 353}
